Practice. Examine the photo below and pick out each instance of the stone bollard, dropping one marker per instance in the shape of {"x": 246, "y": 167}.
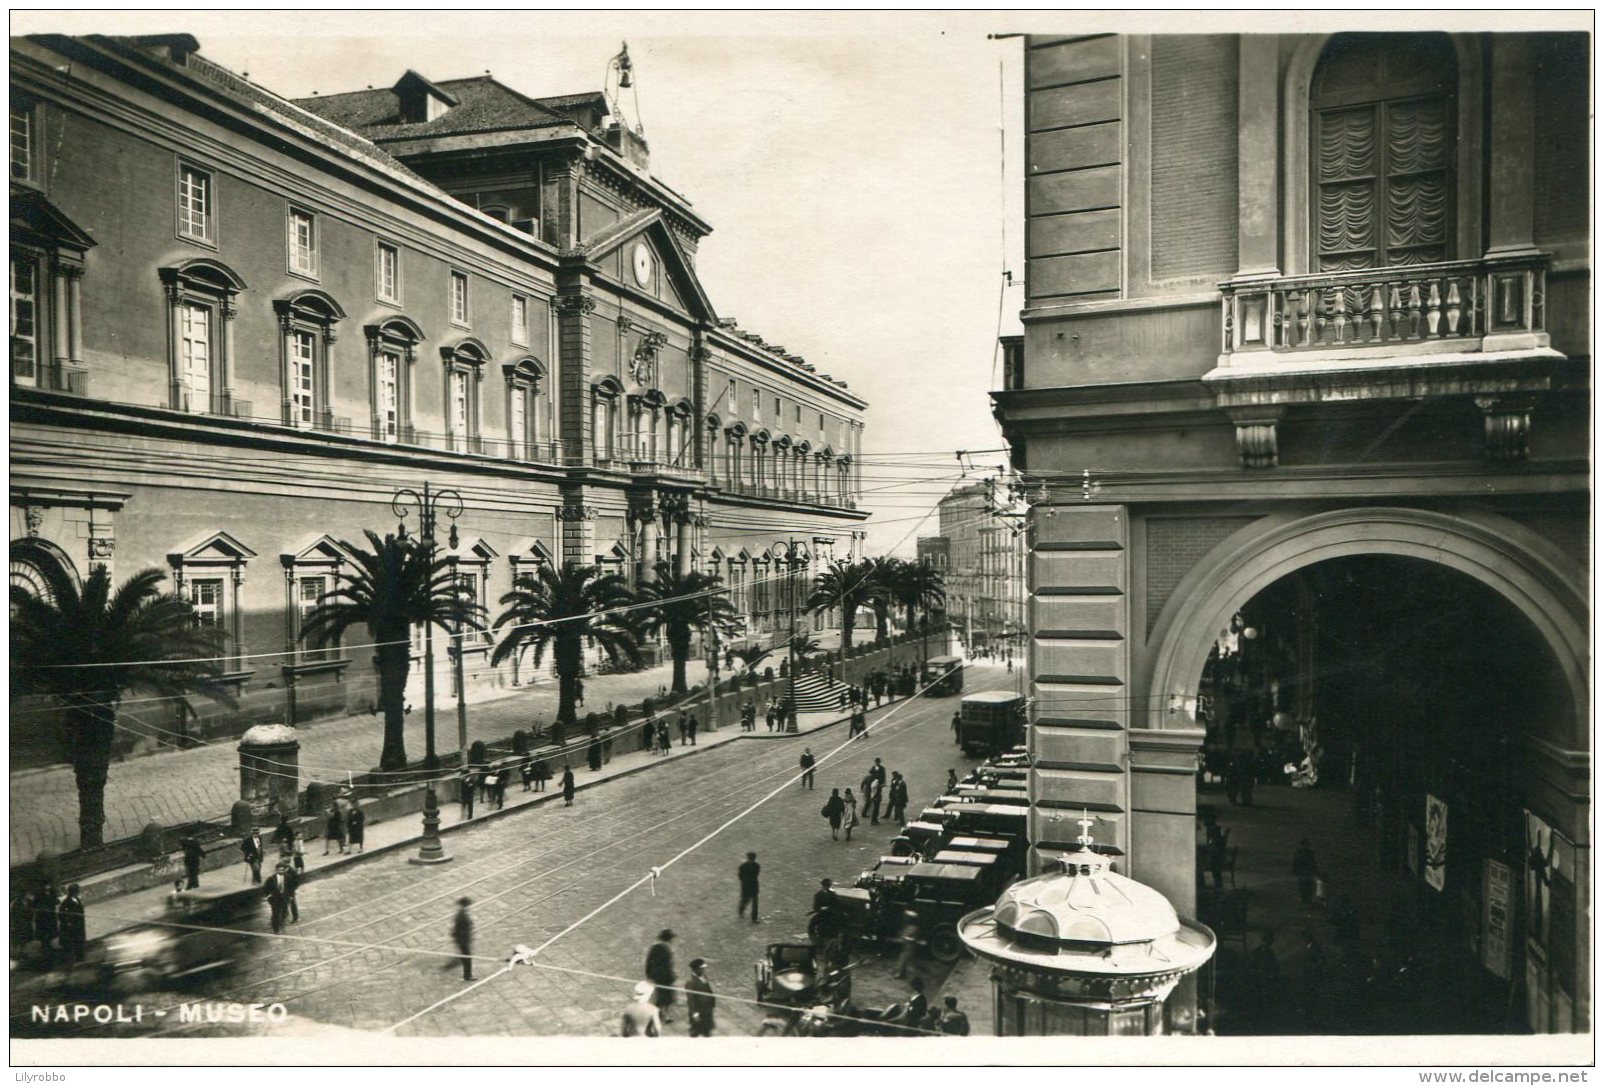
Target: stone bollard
{"x": 430, "y": 850}
{"x": 241, "y": 817}
{"x": 150, "y": 842}
{"x": 270, "y": 766}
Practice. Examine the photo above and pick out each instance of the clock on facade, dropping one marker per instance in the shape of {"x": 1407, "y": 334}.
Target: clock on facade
{"x": 641, "y": 257}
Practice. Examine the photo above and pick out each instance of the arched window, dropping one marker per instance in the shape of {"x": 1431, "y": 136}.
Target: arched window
{"x": 1382, "y": 126}
{"x": 464, "y": 370}
{"x": 201, "y": 308}
{"x": 761, "y": 456}
{"x": 33, "y": 561}
{"x": 392, "y": 352}
{"x": 680, "y": 451}
{"x": 780, "y": 467}
{"x": 734, "y": 437}
{"x": 306, "y": 322}
{"x": 712, "y": 427}
{"x": 525, "y": 387}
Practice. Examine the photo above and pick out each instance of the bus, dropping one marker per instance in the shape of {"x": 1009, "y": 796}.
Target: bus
{"x": 992, "y": 721}
{"x": 943, "y": 676}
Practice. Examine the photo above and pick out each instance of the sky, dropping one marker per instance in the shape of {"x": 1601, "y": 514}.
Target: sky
{"x": 852, "y": 166}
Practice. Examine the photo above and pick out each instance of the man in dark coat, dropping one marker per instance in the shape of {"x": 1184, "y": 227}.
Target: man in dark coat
{"x": 250, "y": 848}
{"x": 834, "y": 808}
{"x": 277, "y": 891}
{"x": 70, "y": 918}
{"x": 660, "y": 971}
{"x": 683, "y": 725}
{"x": 699, "y": 1000}
{"x": 462, "y": 936}
{"x": 593, "y": 755}
{"x": 747, "y": 874}
{"x": 897, "y": 799}
{"x": 690, "y": 727}
{"x": 193, "y": 855}
{"x": 568, "y": 786}
{"x": 807, "y": 768}
{"x": 356, "y": 825}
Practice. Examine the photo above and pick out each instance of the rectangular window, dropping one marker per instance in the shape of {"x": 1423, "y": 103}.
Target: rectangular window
{"x": 308, "y": 591}
{"x": 387, "y": 273}
{"x": 303, "y": 360}
{"x": 459, "y": 403}
{"x": 459, "y": 298}
{"x": 520, "y": 319}
{"x": 206, "y": 595}
{"x": 22, "y": 140}
{"x": 732, "y": 408}
{"x": 516, "y": 423}
{"x": 757, "y": 406}
{"x": 24, "y": 321}
{"x": 195, "y": 203}
{"x": 195, "y": 356}
{"x": 303, "y": 242}
{"x": 389, "y": 395}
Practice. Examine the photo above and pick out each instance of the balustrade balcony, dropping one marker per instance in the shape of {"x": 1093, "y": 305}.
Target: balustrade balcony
{"x": 1423, "y": 309}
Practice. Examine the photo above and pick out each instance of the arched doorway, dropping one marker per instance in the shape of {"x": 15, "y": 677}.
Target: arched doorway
{"x": 33, "y": 561}
{"x": 1426, "y": 673}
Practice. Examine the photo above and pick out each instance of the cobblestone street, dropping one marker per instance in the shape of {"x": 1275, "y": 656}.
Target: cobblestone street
{"x": 181, "y": 786}
{"x": 534, "y": 874}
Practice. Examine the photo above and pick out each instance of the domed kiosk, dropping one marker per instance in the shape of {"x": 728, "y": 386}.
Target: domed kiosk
{"x": 1083, "y": 950}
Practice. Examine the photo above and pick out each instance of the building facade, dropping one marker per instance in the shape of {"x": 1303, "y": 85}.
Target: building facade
{"x": 980, "y": 552}
{"x": 1307, "y": 347}
{"x": 241, "y": 325}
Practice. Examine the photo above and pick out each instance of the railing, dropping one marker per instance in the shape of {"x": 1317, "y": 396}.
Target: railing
{"x": 1447, "y": 303}
{"x": 69, "y": 379}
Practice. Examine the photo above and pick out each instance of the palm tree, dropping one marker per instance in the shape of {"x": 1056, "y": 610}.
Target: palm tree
{"x": 564, "y": 610}
{"x": 398, "y": 584}
{"x": 883, "y": 572}
{"x": 680, "y": 604}
{"x": 918, "y": 584}
{"x": 87, "y": 648}
{"x": 849, "y": 586}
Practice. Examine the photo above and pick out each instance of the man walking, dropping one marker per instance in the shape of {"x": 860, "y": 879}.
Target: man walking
{"x": 872, "y": 795}
{"x": 250, "y": 847}
{"x": 747, "y": 874}
{"x": 74, "y": 933}
{"x": 699, "y": 999}
{"x": 277, "y": 893}
{"x": 660, "y": 971}
{"x": 462, "y": 936}
{"x": 690, "y": 727}
{"x": 807, "y": 768}
{"x": 897, "y": 797}
{"x": 683, "y": 728}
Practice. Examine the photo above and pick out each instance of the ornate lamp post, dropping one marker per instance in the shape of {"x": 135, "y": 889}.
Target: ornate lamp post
{"x": 430, "y": 503}
{"x": 794, "y": 554}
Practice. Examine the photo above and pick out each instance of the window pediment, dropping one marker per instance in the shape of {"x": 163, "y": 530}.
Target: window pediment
{"x": 212, "y": 276}
{"x": 315, "y": 549}
{"x": 397, "y": 328}
{"x": 219, "y": 548}
{"x": 311, "y": 305}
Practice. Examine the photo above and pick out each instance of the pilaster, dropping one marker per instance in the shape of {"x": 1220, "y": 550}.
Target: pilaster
{"x": 571, "y": 309}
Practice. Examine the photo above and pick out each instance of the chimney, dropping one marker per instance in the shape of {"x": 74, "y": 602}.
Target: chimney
{"x": 630, "y": 144}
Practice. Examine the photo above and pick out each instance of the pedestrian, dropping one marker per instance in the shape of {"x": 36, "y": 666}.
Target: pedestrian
{"x": 334, "y": 828}
{"x": 498, "y": 789}
{"x": 849, "y": 816}
{"x": 250, "y": 848}
{"x": 841, "y": 704}
{"x": 768, "y": 717}
{"x": 833, "y": 809}
{"x": 952, "y": 782}
{"x": 872, "y": 799}
{"x": 46, "y": 921}
{"x": 526, "y": 773}
{"x": 691, "y": 728}
{"x": 298, "y": 856}
{"x": 806, "y": 762}
{"x": 462, "y": 936}
{"x": 70, "y": 921}
{"x": 1305, "y": 870}
{"x": 664, "y": 745}
{"x": 542, "y": 774}
{"x": 593, "y": 755}
{"x": 465, "y": 792}
{"x": 878, "y": 771}
{"x": 568, "y": 785}
{"x": 957, "y": 718}
{"x": 682, "y": 726}
{"x": 952, "y": 1019}
{"x": 918, "y": 1003}
{"x": 660, "y": 971}
{"x": 277, "y": 892}
{"x": 193, "y": 854}
{"x": 356, "y": 826}
{"x": 747, "y": 874}
{"x": 640, "y": 1017}
{"x": 897, "y": 799}
{"x": 699, "y": 999}
{"x": 283, "y": 834}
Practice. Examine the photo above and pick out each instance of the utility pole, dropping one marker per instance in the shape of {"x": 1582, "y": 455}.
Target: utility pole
{"x": 712, "y": 664}
{"x": 429, "y": 504}
{"x": 792, "y": 552}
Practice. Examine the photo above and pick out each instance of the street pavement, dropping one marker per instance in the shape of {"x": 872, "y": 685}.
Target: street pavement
{"x": 373, "y": 948}
{"x": 203, "y": 783}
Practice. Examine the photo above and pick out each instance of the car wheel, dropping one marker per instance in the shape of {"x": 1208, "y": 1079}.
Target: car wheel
{"x": 945, "y": 946}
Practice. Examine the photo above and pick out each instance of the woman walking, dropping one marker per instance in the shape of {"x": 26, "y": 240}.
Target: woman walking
{"x": 849, "y": 817}
{"x": 833, "y": 809}
{"x": 568, "y": 785}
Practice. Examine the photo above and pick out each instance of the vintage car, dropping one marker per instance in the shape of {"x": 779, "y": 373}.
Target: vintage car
{"x": 200, "y": 931}
{"x": 925, "y": 898}
{"x": 991, "y": 721}
{"x": 795, "y": 976}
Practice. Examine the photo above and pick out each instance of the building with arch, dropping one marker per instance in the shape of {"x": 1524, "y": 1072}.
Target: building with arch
{"x": 1302, "y": 405}
{"x": 240, "y": 324}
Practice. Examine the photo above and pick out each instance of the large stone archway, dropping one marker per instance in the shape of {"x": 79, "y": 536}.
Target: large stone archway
{"x": 1541, "y": 582}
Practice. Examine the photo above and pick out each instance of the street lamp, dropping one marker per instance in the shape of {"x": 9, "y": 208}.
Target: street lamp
{"x": 430, "y": 503}
{"x": 794, "y": 553}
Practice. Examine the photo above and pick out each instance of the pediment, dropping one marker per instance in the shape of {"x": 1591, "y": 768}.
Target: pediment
{"x": 217, "y": 547}
{"x": 472, "y": 549}
{"x": 674, "y": 281}
{"x": 314, "y": 547}
{"x": 530, "y": 550}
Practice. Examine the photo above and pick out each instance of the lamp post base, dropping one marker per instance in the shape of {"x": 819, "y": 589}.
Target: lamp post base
{"x": 430, "y": 851}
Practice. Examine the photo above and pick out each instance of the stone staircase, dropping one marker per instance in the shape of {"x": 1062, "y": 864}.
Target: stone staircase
{"x": 816, "y": 692}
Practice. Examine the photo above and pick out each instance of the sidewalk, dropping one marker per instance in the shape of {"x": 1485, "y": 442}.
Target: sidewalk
{"x": 203, "y": 783}
{"x": 401, "y": 835}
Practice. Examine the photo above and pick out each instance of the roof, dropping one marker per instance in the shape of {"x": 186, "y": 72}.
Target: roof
{"x": 561, "y": 102}
{"x": 482, "y": 105}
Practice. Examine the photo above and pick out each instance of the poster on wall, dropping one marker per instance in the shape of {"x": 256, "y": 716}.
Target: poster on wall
{"x": 1436, "y": 841}
{"x": 1551, "y": 930}
{"x": 1496, "y": 901}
